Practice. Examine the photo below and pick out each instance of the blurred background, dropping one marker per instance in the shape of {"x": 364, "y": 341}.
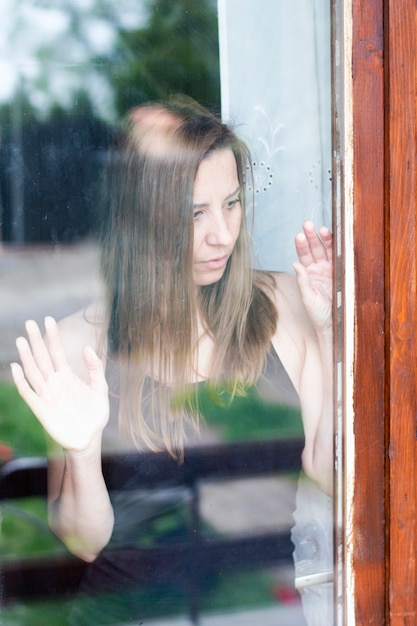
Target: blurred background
{"x": 70, "y": 70}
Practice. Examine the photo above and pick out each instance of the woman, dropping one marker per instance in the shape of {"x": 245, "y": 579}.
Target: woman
{"x": 182, "y": 306}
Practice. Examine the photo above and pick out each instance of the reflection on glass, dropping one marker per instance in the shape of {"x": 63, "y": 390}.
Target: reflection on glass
{"x": 176, "y": 439}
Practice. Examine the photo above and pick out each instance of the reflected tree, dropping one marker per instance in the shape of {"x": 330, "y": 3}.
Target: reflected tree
{"x": 117, "y": 53}
{"x": 77, "y": 67}
{"x": 177, "y": 52}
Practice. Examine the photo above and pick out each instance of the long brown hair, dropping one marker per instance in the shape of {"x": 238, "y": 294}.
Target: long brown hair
{"x": 152, "y": 301}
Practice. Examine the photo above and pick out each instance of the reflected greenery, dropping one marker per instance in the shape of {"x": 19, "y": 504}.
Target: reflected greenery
{"x": 114, "y": 55}
{"x": 21, "y": 433}
{"x": 56, "y": 128}
{"x": 177, "y": 52}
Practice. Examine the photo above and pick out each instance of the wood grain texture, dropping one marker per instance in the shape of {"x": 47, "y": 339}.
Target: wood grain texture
{"x": 401, "y": 205}
{"x": 384, "y": 507}
{"x": 368, "y": 539}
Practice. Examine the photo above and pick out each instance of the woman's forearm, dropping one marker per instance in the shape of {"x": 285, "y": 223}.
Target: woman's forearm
{"x": 323, "y": 448}
{"x": 81, "y": 513}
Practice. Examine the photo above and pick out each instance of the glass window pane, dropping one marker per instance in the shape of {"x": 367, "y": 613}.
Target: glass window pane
{"x": 210, "y": 536}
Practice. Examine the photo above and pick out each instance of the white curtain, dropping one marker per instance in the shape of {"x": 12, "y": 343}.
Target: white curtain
{"x": 275, "y": 81}
{"x": 276, "y": 90}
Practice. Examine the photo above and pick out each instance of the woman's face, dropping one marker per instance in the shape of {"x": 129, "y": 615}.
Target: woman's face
{"x": 217, "y": 215}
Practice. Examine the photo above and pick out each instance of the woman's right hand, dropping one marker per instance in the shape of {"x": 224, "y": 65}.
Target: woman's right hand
{"x": 71, "y": 410}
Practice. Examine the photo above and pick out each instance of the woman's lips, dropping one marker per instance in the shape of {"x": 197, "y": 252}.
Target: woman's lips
{"x": 217, "y": 263}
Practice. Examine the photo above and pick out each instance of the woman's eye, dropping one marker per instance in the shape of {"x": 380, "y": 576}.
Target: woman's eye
{"x": 231, "y": 203}
{"x": 197, "y": 214}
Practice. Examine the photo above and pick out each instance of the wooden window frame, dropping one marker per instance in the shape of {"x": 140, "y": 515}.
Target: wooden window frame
{"x": 375, "y": 69}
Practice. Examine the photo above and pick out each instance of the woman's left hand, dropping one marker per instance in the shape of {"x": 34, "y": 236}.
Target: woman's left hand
{"x": 314, "y": 273}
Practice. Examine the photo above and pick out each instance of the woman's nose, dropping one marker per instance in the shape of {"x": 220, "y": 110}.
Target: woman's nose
{"x": 218, "y": 232}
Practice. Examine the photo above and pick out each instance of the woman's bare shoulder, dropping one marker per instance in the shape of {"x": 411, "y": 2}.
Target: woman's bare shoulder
{"x": 292, "y": 315}
{"x": 294, "y": 333}
{"x": 288, "y": 299}
{"x": 287, "y": 293}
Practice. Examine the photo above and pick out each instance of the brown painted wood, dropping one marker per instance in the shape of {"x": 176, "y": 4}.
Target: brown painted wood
{"x": 368, "y": 539}
{"x": 401, "y": 204}
{"x": 384, "y": 507}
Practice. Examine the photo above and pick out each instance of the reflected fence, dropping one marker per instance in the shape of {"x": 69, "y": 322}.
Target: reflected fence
{"x": 189, "y": 559}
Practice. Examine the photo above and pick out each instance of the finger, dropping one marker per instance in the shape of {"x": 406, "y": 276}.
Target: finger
{"x": 317, "y": 249}
{"x": 327, "y": 239}
{"x": 39, "y": 349}
{"x": 304, "y": 285}
{"x": 95, "y": 367}
{"x": 302, "y": 276}
{"x": 31, "y": 370}
{"x": 303, "y": 249}
{"x": 25, "y": 390}
{"x": 56, "y": 350}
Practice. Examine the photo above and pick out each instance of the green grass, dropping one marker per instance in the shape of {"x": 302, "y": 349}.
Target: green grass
{"x": 43, "y": 613}
{"x": 19, "y": 428}
{"x": 250, "y": 420}
{"x": 25, "y": 530}
{"x": 246, "y": 417}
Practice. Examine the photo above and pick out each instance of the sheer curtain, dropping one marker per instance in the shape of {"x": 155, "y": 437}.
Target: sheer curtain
{"x": 275, "y": 81}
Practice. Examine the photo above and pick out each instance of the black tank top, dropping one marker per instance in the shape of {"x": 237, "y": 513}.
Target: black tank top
{"x": 273, "y": 391}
